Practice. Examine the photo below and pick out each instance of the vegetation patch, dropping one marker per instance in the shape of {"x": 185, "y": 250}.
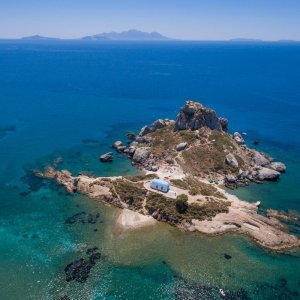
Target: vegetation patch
{"x": 166, "y": 209}
{"x": 221, "y": 140}
{"x": 133, "y": 194}
{"x": 201, "y": 159}
{"x": 180, "y": 183}
{"x": 197, "y": 187}
{"x": 165, "y": 140}
{"x": 182, "y": 203}
{"x": 141, "y": 177}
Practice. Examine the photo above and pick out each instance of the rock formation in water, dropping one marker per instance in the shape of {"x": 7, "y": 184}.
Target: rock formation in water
{"x": 197, "y": 156}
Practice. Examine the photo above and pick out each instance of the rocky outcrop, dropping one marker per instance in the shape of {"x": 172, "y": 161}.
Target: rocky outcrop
{"x": 141, "y": 155}
{"x": 277, "y": 166}
{"x": 107, "y": 157}
{"x": 63, "y": 178}
{"x": 260, "y": 159}
{"x": 117, "y": 144}
{"x": 267, "y": 174}
{"x": 143, "y": 139}
{"x": 194, "y": 116}
{"x": 158, "y": 124}
{"x": 181, "y": 146}
{"x": 131, "y": 135}
{"x": 231, "y": 161}
{"x": 238, "y": 138}
{"x": 145, "y": 130}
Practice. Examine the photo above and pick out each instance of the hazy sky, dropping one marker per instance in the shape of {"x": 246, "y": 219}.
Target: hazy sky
{"x": 184, "y": 19}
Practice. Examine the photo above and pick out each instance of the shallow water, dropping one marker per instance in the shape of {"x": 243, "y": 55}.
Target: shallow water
{"x": 74, "y": 100}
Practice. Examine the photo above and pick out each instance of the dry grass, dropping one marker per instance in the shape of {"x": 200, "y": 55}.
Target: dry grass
{"x": 201, "y": 159}
{"x": 133, "y": 194}
{"x": 164, "y": 209}
{"x": 165, "y": 140}
{"x": 141, "y": 177}
{"x": 197, "y": 187}
{"x": 221, "y": 140}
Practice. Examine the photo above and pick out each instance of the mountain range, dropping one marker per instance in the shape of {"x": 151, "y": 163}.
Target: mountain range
{"x": 130, "y": 35}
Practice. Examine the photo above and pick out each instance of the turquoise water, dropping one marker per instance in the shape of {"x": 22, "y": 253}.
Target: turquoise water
{"x": 73, "y": 100}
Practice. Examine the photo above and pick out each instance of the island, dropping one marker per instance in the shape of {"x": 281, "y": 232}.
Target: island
{"x": 197, "y": 157}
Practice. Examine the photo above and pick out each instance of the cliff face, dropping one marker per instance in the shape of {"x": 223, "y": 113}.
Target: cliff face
{"x": 195, "y": 116}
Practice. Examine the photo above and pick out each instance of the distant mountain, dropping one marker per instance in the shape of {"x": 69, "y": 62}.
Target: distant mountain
{"x": 245, "y": 40}
{"x": 130, "y": 35}
{"x": 38, "y": 38}
{"x": 288, "y": 41}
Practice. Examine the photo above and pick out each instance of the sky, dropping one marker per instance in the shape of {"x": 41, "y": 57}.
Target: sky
{"x": 182, "y": 19}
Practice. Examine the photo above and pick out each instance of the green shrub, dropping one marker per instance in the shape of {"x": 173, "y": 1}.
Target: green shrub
{"x": 182, "y": 197}
{"x": 181, "y": 203}
{"x": 180, "y": 183}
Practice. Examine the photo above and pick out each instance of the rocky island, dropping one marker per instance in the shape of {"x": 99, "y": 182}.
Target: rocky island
{"x": 198, "y": 157}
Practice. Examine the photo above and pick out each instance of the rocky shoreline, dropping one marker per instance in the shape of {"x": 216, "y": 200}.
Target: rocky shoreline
{"x": 197, "y": 156}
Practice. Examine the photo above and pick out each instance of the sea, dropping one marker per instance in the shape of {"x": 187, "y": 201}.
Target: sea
{"x": 70, "y": 100}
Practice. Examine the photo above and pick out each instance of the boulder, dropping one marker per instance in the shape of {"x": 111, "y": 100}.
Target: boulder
{"x": 145, "y": 130}
{"x": 131, "y": 150}
{"x": 277, "y": 166}
{"x": 107, "y": 157}
{"x": 194, "y": 116}
{"x": 260, "y": 159}
{"x": 181, "y": 146}
{"x": 143, "y": 139}
{"x": 224, "y": 124}
{"x": 238, "y": 138}
{"x": 231, "y": 161}
{"x": 117, "y": 144}
{"x": 131, "y": 135}
{"x": 230, "y": 178}
{"x": 267, "y": 174}
{"x": 154, "y": 168}
{"x": 121, "y": 148}
{"x": 158, "y": 124}
{"x": 141, "y": 155}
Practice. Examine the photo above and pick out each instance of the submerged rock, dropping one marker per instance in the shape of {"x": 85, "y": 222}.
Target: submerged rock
{"x": 227, "y": 256}
{"x": 79, "y": 270}
{"x": 283, "y": 215}
{"x": 107, "y": 157}
{"x": 194, "y": 116}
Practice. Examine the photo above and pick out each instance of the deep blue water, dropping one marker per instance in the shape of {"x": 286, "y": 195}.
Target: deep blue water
{"x": 56, "y": 95}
